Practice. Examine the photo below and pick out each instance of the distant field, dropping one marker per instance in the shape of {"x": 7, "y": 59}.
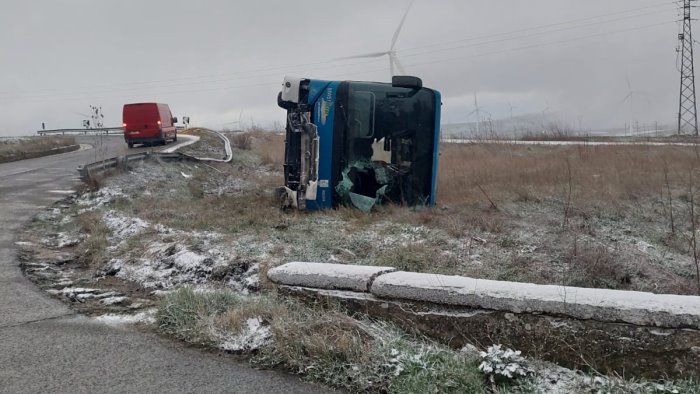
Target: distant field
{"x": 20, "y": 148}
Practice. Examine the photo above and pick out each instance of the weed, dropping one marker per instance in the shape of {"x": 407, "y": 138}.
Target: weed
{"x": 93, "y": 249}
{"x": 416, "y": 257}
{"x": 185, "y": 313}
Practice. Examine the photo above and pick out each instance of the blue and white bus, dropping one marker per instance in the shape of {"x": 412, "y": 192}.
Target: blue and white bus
{"x": 360, "y": 143}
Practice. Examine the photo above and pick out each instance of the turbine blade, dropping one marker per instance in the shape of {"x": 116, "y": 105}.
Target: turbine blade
{"x": 398, "y": 64}
{"x": 624, "y": 100}
{"x": 629, "y": 85}
{"x": 398, "y": 30}
{"x": 363, "y": 56}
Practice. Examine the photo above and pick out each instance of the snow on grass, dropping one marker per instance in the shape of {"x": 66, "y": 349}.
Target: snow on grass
{"x": 123, "y": 227}
{"x": 104, "y": 196}
{"x": 167, "y": 265}
{"x": 63, "y": 240}
{"x": 252, "y": 336}
{"x": 111, "y": 319}
{"x": 81, "y": 294}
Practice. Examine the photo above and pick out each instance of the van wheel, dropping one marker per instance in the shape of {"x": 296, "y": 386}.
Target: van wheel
{"x": 130, "y": 144}
{"x": 175, "y": 139}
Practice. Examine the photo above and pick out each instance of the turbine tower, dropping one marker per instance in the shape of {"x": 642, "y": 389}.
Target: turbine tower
{"x": 394, "y": 63}
{"x": 631, "y": 93}
{"x": 687, "y": 108}
{"x": 477, "y": 110}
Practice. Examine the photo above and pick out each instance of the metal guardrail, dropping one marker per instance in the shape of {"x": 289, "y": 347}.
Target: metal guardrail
{"x": 122, "y": 162}
{"x": 103, "y": 130}
{"x": 227, "y": 147}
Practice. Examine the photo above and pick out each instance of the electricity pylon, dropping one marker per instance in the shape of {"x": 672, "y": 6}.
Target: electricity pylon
{"x": 687, "y": 108}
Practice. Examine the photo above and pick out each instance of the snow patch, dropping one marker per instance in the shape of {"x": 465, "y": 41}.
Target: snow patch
{"x": 111, "y": 319}
{"x": 62, "y": 240}
{"x": 99, "y": 198}
{"x": 253, "y": 335}
{"x": 123, "y": 227}
{"x": 113, "y": 300}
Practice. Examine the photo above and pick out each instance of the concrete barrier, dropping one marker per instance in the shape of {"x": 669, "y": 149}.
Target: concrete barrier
{"x": 625, "y": 349}
{"x": 644, "y": 309}
{"x": 327, "y": 276}
{"x": 625, "y": 332}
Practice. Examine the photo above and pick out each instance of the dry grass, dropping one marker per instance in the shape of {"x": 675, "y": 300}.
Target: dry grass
{"x": 17, "y": 149}
{"x": 242, "y": 141}
{"x": 270, "y": 148}
{"x": 598, "y": 173}
{"x": 266, "y": 145}
{"x": 250, "y": 213}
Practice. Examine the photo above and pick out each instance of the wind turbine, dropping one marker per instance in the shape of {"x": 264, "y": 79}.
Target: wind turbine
{"x": 630, "y": 97}
{"x": 394, "y": 63}
{"x": 510, "y": 105}
{"x": 477, "y": 110}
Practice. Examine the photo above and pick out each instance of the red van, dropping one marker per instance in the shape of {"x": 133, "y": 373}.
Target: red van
{"x": 148, "y": 123}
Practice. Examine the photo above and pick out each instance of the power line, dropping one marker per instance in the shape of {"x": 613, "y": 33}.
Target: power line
{"x": 453, "y": 59}
{"x": 477, "y": 44}
{"x": 330, "y": 64}
{"x": 600, "y": 16}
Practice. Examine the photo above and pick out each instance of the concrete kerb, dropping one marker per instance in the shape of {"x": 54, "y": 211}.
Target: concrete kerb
{"x": 643, "y": 309}
{"x": 327, "y": 276}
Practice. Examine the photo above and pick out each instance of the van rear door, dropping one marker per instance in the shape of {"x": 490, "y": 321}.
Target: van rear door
{"x": 141, "y": 121}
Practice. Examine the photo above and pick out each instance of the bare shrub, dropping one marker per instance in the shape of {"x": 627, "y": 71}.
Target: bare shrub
{"x": 595, "y": 266}
{"x": 242, "y": 141}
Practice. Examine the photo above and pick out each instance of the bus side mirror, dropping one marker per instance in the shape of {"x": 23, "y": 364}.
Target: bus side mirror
{"x": 175, "y": 119}
{"x": 405, "y": 81}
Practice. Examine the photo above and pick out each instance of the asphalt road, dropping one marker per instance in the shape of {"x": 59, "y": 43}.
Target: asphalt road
{"x": 46, "y": 348}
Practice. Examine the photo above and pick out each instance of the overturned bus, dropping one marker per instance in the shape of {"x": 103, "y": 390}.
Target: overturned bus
{"x": 359, "y": 143}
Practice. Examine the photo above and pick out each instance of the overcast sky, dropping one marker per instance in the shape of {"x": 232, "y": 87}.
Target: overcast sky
{"x": 222, "y": 62}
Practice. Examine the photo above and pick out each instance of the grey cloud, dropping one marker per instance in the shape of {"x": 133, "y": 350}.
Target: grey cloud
{"x": 212, "y": 59}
